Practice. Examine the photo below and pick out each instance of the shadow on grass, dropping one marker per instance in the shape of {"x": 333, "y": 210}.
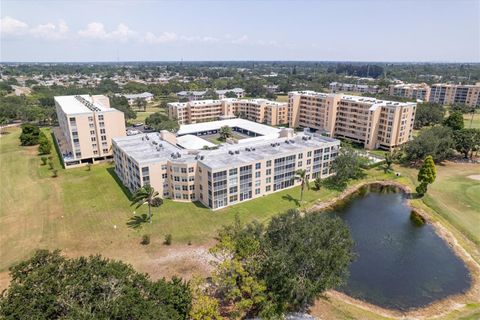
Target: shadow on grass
{"x": 198, "y": 204}
{"x": 136, "y": 222}
{"x": 125, "y": 191}
{"x": 57, "y": 149}
{"x": 289, "y": 198}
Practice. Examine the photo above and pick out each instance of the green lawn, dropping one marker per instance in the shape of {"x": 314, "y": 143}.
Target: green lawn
{"x": 455, "y": 196}
{"x": 472, "y": 123}
{"x": 142, "y": 115}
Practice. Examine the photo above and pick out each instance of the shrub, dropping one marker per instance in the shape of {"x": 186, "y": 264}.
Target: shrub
{"x": 54, "y": 173}
{"x": 421, "y": 189}
{"x": 417, "y": 219}
{"x": 318, "y": 183}
{"x": 145, "y": 239}
{"x": 45, "y": 146}
{"x": 156, "y": 202}
{"x": 30, "y": 135}
{"x": 50, "y": 164}
{"x": 44, "y": 160}
{"x": 168, "y": 239}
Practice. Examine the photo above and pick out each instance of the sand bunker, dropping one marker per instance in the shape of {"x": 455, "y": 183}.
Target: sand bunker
{"x": 475, "y": 177}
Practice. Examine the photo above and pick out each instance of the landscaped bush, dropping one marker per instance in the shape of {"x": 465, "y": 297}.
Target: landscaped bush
{"x": 44, "y": 160}
{"x": 168, "y": 239}
{"x": 157, "y": 202}
{"x": 145, "y": 239}
{"x": 54, "y": 173}
{"x": 30, "y": 135}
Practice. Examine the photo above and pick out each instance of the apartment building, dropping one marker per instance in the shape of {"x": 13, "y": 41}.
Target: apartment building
{"x": 371, "y": 122}
{"x": 258, "y": 110}
{"x": 262, "y": 163}
{"x": 132, "y": 98}
{"x": 200, "y": 94}
{"x": 414, "y": 91}
{"x": 448, "y": 94}
{"x": 350, "y": 87}
{"x": 87, "y": 125}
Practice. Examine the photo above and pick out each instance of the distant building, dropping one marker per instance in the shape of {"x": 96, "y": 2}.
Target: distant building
{"x": 271, "y": 88}
{"x": 414, "y": 91}
{"x": 349, "y": 87}
{"x": 259, "y": 110}
{"x": 146, "y": 96}
{"x": 448, "y": 94}
{"x": 87, "y": 125}
{"x": 369, "y": 121}
{"x": 180, "y": 167}
{"x": 200, "y": 94}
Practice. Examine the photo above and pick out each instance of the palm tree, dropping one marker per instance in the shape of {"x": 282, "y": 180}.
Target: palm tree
{"x": 225, "y": 132}
{"x": 300, "y": 175}
{"x": 145, "y": 195}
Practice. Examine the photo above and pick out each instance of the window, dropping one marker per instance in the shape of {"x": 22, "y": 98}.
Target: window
{"x": 257, "y": 174}
{"x": 257, "y": 191}
{"x": 269, "y": 163}
{"x": 268, "y": 188}
{"x": 300, "y": 156}
{"x": 102, "y": 131}
{"x": 299, "y": 163}
{"x": 268, "y": 180}
{"x": 92, "y": 132}
{"x": 233, "y": 171}
{"x": 164, "y": 176}
{"x": 90, "y": 119}
{"x": 100, "y": 117}
{"x": 190, "y": 170}
{"x": 104, "y": 138}
{"x": 309, "y": 153}
{"x": 258, "y": 166}
{"x": 183, "y": 170}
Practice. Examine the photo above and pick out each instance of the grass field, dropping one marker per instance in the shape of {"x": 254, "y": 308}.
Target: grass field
{"x": 455, "y": 196}
{"x": 87, "y": 212}
{"x": 142, "y": 115}
{"x": 472, "y": 123}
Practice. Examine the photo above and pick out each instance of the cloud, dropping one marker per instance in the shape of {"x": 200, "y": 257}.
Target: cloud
{"x": 51, "y": 31}
{"x": 240, "y": 40}
{"x": 11, "y": 26}
{"x": 97, "y": 31}
{"x": 162, "y": 38}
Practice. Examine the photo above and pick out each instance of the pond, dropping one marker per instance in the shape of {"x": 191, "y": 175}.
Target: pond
{"x": 398, "y": 265}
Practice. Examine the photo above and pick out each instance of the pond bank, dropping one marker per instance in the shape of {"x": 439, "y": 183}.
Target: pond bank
{"x": 434, "y": 309}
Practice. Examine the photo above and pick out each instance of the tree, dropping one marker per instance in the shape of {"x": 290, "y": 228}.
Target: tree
{"x": 318, "y": 183}
{"x": 466, "y": 141}
{"x": 428, "y": 114}
{"x": 121, "y": 104}
{"x": 30, "y": 135}
{"x": 141, "y": 104}
{"x": 454, "y": 121}
{"x": 145, "y": 195}
{"x": 388, "y": 161}
{"x": 347, "y": 165}
{"x": 230, "y": 94}
{"x": 225, "y": 132}
{"x": 236, "y": 264}
{"x": 44, "y": 146}
{"x": 304, "y": 256}
{"x": 426, "y": 175}
{"x": 50, "y": 286}
{"x": 436, "y": 141}
{"x": 159, "y": 121}
{"x": 204, "y": 306}
{"x": 300, "y": 175}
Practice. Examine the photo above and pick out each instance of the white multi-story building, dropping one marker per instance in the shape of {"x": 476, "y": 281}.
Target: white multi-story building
{"x": 87, "y": 125}
{"x": 186, "y": 167}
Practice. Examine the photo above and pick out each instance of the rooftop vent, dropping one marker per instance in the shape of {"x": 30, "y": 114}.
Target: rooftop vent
{"x": 231, "y": 152}
{"x": 287, "y": 142}
{"x": 237, "y": 151}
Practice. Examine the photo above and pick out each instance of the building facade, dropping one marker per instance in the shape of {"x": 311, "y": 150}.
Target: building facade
{"x": 132, "y": 98}
{"x": 232, "y": 173}
{"x": 259, "y": 110}
{"x": 448, "y": 94}
{"x": 200, "y": 94}
{"x": 87, "y": 125}
{"x": 414, "y": 91}
{"x": 350, "y": 87}
{"x": 369, "y": 121}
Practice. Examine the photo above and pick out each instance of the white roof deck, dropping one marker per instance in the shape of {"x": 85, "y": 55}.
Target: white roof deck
{"x": 239, "y": 123}
{"x": 74, "y": 105}
{"x": 192, "y": 142}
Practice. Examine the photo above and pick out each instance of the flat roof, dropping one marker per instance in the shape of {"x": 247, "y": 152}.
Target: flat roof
{"x": 359, "y": 99}
{"x": 237, "y": 122}
{"x": 138, "y": 95}
{"x": 150, "y": 148}
{"x": 80, "y": 104}
{"x": 192, "y": 142}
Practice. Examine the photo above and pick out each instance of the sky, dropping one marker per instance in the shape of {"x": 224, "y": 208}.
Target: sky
{"x": 341, "y": 30}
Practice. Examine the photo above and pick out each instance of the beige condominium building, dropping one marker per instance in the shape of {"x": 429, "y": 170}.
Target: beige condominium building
{"x": 180, "y": 166}
{"x": 258, "y": 110}
{"x": 87, "y": 125}
{"x": 369, "y": 121}
{"x": 414, "y": 91}
{"x": 448, "y": 94}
